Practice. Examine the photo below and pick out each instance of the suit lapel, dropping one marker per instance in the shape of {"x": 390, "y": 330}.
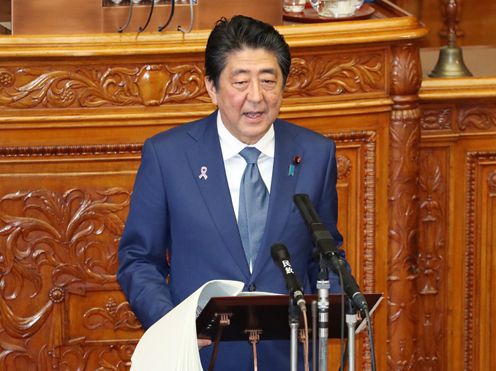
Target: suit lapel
{"x": 207, "y": 155}
{"x": 281, "y": 194}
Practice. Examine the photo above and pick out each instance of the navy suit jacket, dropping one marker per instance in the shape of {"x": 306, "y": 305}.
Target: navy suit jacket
{"x": 175, "y": 213}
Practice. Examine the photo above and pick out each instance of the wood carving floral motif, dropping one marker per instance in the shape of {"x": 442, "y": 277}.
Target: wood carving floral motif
{"x": 83, "y": 357}
{"x": 403, "y": 207}
{"x": 348, "y": 74}
{"x": 367, "y": 148}
{"x": 367, "y": 142}
{"x": 436, "y": 118}
{"x": 491, "y": 182}
{"x": 52, "y": 244}
{"x": 481, "y": 117}
{"x": 406, "y": 73}
{"x": 431, "y": 260}
{"x": 344, "y": 166}
{"x": 95, "y": 86}
{"x": 114, "y": 316}
{"x": 475, "y": 162}
{"x": 156, "y": 84}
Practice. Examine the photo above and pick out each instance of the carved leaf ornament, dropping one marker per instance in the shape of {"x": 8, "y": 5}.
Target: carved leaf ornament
{"x": 147, "y": 85}
{"x": 52, "y": 243}
{"x": 156, "y": 84}
{"x": 349, "y": 74}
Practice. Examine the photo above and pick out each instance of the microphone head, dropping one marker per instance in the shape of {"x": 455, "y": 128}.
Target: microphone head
{"x": 301, "y": 197}
{"x": 306, "y": 208}
{"x": 279, "y": 252}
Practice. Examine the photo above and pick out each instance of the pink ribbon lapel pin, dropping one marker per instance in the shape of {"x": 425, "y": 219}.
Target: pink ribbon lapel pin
{"x": 203, "y": 173}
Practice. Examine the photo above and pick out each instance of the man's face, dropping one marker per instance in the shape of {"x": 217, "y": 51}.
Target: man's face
{"x": 249, "y": 93}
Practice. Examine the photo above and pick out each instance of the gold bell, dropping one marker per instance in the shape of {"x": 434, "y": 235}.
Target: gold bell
{"x": 450, "y": 62}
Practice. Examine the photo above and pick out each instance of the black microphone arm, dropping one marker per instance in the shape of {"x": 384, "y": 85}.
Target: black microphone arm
{"x": 326, "y": 246}
{"x": 280, "y": 255}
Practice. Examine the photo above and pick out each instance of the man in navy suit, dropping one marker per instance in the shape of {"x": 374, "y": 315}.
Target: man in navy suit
{"x": 186, "y": 197}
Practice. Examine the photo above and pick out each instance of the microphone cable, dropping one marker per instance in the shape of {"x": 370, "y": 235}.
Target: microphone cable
{"x": 142, "y": 28}
{"x": 129, "y": 16}
{"x": 343, "y": 314}
{"x": 305, "y": 341}
{"x": 191, "y": 19}
{"x": 171, "y": 14}
{"x": 371, "y": 340}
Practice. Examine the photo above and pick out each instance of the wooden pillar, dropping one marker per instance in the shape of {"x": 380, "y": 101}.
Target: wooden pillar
{"x": 403, "y": 207}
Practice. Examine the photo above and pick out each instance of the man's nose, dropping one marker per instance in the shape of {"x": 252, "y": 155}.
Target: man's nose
{"x": 255, "y": 92}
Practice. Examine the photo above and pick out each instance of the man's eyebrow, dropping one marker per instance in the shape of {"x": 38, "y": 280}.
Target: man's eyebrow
{"x": 269, "y": 70}
{"x": 240, "y": 71}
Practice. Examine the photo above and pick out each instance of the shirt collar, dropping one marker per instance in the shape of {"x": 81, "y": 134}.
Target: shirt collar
{"x": 231, "y": 146}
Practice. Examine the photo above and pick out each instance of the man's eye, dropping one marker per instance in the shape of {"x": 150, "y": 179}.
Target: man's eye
{"x": 268, "y": 82}
{"x": 240, "y": 83}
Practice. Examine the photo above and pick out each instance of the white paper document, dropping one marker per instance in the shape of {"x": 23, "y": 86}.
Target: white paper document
{"x": 170, "y": 344}
{"x": 363, "y": 325}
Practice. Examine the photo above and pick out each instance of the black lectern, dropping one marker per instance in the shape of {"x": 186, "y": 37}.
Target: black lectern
{"x": 261, "y": 317}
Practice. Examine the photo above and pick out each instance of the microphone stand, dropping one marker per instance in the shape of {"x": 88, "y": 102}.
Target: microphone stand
{"x": 351, "y": 320}
{"x": 323, "y": 286}
{"x": 293, "y": 316}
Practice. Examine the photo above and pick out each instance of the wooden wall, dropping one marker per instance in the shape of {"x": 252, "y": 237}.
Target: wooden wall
{"x": 457, "y": 198}
{"x": 48, "y": 17}
{"x": 417, "y": 186}
{"x": 476, "y": 24}
{"x": 5, "y": 7}
{"x": 74, "y": 112}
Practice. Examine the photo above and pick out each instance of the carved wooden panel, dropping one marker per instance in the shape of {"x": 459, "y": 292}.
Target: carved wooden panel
{"x": 106, "y": 83}
{"x": 480, "y": 259}
{"x": 403, "y": 207}
{"x": 319, "y": 74}
{"x": 477, "y": 117}
{"x": 61, "y": 217}
{"x": 437, "y": 117}
{"x": 456, "y": 264}
{"x": 432, "y": 272}
{"x": 97, "y": 85}
{"x": 472, "y": 116}
{"x": 357, "y": 169}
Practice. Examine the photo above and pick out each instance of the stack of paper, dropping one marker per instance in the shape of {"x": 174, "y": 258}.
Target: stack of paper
{"x": 170, "y": 344}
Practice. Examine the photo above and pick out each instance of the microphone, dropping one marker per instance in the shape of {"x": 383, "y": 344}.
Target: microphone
{"x": 326, "y": 246}
{"x": 280, "y": 255}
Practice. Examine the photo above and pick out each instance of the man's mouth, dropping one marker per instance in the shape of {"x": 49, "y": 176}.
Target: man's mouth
{"x": 253, "y": 115}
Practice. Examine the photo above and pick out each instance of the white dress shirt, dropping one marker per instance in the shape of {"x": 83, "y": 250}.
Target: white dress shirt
{"x": 235, "y": 164}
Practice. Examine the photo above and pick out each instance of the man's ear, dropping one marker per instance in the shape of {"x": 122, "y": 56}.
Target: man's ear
{"x": 212, "y": 92}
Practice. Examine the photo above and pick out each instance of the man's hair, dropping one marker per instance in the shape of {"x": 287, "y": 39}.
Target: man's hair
{"x": 243, "y": 32}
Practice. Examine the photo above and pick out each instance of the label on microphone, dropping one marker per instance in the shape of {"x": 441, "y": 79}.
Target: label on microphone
{"x": 287, "y": 267}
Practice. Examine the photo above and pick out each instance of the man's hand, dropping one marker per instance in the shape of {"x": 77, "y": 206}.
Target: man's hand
{"x": 203, "y": 343}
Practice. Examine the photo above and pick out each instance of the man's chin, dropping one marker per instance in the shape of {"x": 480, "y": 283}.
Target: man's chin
{"x": 253, "y": 136}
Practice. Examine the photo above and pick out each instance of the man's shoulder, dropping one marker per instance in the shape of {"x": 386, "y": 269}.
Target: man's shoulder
{"x": 181, "y": 131}
{"x": 301, "y": 133}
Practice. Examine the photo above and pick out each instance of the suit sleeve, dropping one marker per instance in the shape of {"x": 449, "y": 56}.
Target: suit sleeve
{"x": 143, "y": 267}
{"x": 328, "y": 204}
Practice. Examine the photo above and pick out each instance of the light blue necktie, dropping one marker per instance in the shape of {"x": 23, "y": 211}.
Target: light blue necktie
{"x": 253, "y": 206}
